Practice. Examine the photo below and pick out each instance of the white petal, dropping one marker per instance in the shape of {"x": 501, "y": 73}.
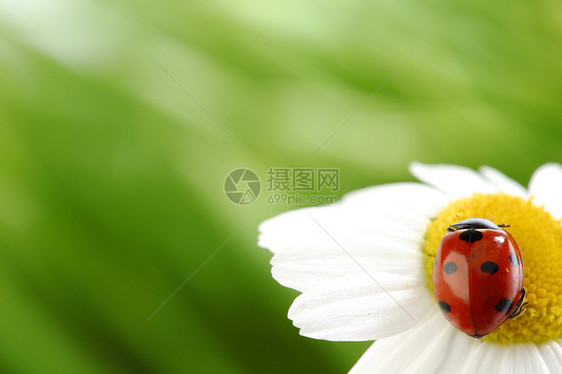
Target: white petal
{"x": 526, "y": 358}
{"x": 454, "y": 180}
{"x": 551, "y": 353}
{"x": 490, "y": 358}
{"x": 319, "y": 244}
{"x": 435, "y": 346}
{"x": 415, "y": 196}
{"x": 402, "y": 210}
{"x": 504, "y": 183}
{"x": 422, "y": 349}
{"x": 329, "y": 252}
{"x": 487, "y": 358}
{"x": 546, "y": 187}
{"x": 476, "y": 359}
{"x": 305, "y": 270}
{"x": 302, "y": 229}
{"x": 361, "y": 307}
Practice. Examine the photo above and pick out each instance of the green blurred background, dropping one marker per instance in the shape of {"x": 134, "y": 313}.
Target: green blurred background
{"x": 111, "y": 176}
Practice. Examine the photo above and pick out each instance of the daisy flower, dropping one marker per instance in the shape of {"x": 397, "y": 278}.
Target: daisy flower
{"x": 364, "y": 268}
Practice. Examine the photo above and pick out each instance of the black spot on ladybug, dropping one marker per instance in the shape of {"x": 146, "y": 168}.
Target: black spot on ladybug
{"x": 513, "y": 259}
{"x": 503, "y": 305}
{"x": 489, "y": 267}
{"x": 471, "y": 236}
{"x": 450, "y": 268}
{"x": 445, "y": 308}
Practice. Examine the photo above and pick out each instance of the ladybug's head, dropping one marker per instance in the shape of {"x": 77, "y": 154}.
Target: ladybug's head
{"x": 474, "y": 223}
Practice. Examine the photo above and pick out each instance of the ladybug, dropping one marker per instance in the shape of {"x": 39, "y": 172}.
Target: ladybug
{"x": 478, "y": 276}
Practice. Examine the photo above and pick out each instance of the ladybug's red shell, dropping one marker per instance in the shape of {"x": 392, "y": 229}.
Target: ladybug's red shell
{"x": 478, "y": 278}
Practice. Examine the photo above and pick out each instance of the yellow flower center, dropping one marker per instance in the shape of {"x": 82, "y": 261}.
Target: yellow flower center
{"x": 539, "y": 237}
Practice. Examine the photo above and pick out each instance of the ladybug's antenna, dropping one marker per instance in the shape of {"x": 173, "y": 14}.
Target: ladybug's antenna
{"x": 500, "y": 224}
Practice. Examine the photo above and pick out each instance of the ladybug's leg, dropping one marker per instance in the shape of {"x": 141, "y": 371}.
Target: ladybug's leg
{"x": 519, "y": 306}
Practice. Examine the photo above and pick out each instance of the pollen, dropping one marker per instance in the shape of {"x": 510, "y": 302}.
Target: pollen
{"x": 539, "y": 238}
